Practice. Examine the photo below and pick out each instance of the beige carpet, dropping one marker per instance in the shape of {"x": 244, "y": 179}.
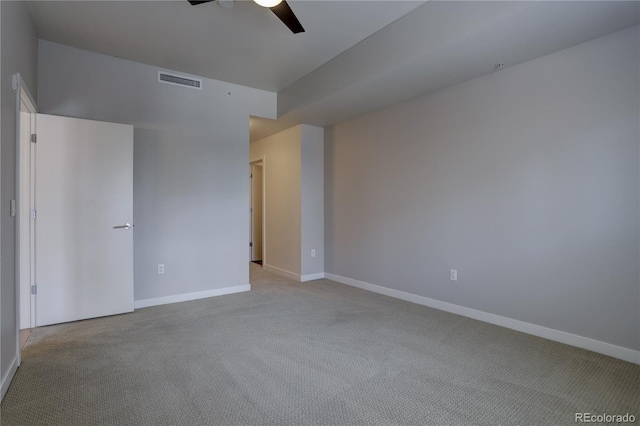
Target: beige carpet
{"x": 317, "y": 353}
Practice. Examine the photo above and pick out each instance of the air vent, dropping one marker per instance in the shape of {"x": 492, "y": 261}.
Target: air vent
{"x": 179, "y": 80}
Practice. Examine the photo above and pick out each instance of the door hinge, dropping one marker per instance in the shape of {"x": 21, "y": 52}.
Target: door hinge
{"x": 14, "y": 83}
{"x": 34, "y": 289}
{"x": 34, "y": 138}
{"x": 250, "y": 209}
{"x": 251, "y": 176}
{"x": 250, "y": 244}
{"x": 34, "y": 214}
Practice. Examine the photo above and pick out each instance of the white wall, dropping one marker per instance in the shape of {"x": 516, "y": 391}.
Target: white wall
{"x": 526, "y": 181}
{"x": 190, "y": 163}
{"x": 19, "y": 55}
{"x": 312, "y": 200}
{"x": 282, "y": 174}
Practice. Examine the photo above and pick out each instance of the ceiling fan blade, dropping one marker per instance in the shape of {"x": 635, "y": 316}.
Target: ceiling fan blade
{"x": 286, "y": 15}
{"x": 196, "y": 2}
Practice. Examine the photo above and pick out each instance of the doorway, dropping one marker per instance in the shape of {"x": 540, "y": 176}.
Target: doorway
{"x": 60, "y": 223}
{"x": 256, "y": 212}
{"x": 25, "y": 211}
{"x": 84, "y": 230}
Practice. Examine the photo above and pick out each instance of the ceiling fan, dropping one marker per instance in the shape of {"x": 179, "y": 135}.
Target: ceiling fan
{"x": 279, "y": 7}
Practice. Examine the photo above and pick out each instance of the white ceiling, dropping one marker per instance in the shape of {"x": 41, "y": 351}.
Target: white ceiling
{"x": 245, "y": 44}
{"x": 356, "y": 56}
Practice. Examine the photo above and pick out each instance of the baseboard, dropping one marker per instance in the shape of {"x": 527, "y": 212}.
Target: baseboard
{"x": 312, "y": 277}
{"x": 6, "y": 380}
{"x": 282, "y": 272}
{"x": 292, "y": 275}
{"x": 619, "y": 352}
{"x": 137, "y": 304}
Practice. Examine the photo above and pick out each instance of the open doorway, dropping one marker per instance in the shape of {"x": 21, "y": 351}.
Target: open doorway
{"x": 25, "y": 211}
{"x": 256, "y": 212}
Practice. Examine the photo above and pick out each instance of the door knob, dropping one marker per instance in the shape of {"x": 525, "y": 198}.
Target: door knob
{"x": 125, "y": 226}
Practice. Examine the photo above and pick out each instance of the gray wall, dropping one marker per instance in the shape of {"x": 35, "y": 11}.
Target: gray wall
{"x": 525, "y": 180}
{"x": 312, "y": 199}
{"x": 19, "y": 55}
{"x": 191, "y": 151}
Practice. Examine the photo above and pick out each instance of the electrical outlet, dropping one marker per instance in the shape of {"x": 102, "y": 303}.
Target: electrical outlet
{"x": 160, "y": 268}
{"x": 453, "y": 275}
{"x": 313, "y": 253}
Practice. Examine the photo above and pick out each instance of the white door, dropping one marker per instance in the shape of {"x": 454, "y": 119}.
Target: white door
{"x": 84, "y": 198}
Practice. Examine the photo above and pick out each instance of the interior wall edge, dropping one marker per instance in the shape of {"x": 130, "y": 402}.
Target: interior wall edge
{"x": 282, "y": 272}
{"x": 6, "y": 380}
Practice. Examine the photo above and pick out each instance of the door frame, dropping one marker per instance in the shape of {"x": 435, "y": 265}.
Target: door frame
{"x": 22, "y": 95}
{"x": 256, "y": 193}
{"x": 261, "y": 159}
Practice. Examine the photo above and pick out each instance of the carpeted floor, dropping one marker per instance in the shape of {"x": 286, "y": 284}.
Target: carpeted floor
{"x": 316, "y": 353}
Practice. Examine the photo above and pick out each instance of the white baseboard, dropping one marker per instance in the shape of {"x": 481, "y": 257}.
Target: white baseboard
{"x": 282, "y": 272}
{"x": 312, "y": 277}
{"x": 6, "y": 380}
{"x": 619, "y": 352}
{"x": 292, "y": 275}
{"x": 137, "y": 304}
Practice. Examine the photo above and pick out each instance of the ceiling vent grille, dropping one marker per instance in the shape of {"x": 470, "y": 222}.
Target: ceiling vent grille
{"x": 179, "y": 80}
